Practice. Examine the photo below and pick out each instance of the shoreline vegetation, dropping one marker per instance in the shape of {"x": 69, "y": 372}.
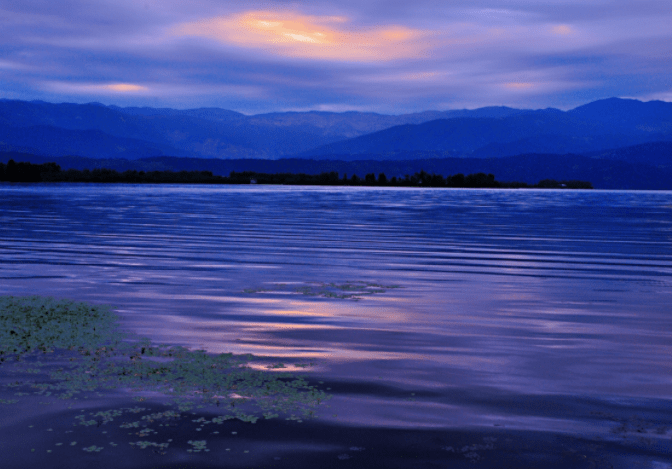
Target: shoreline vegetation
{"x": 52, "y": 172}
{"x": 41, "y": 332}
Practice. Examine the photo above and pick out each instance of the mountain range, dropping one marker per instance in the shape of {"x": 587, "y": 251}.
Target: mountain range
{"x": 610, "y": 133}
{"x": 97, "y": 131}
{"x": 601, "y": 125}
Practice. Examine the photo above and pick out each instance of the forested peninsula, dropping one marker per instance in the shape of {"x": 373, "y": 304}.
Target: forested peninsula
{"x": 52, "y": 172}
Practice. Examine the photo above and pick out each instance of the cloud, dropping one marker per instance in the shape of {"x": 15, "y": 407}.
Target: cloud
{"x": 335, "y": 107}
{"x": 518, "y": 85}
{"x": 562, "y": 29}
{"x": 124, "y": 87}
{"x": 389, "y": 56}
{"x": 662, "y": 96}
{"x": 152, "y": 89}
{"x": 293, "y": 34}
{"x": 9, "y": 65}
{"x": 91, "y": 88}
{"x": 422, "y": 75}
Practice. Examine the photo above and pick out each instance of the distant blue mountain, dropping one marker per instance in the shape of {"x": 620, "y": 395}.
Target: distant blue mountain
{"x": 212, "y": 114}
{"x": 657, "y": 154}
{"x": 54, "y": 141}
{"x": 97, "y": 131}
{"x": 627, "y": 114}
{"x": 199, "y": 132}
{"x": 204, "y": 132}
{"x": 610, "y": 123}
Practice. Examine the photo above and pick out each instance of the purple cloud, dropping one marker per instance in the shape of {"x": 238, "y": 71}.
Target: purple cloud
{"x": 385, "y": 56}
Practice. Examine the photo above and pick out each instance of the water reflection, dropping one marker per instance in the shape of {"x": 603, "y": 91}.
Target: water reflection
{"x": 520, "y": 292}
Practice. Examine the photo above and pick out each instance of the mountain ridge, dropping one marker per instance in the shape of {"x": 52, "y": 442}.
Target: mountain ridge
{"x": 98, "y": 131}
{"x": 202, "y": 132}
{"x": 573, "y": 132}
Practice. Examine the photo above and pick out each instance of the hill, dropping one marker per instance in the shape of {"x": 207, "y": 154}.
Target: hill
{"x": 658, "y": 154}
{"x": 133, "y": 132}
{"x": 614, "y": 143}
{"x": 597, "y": 126}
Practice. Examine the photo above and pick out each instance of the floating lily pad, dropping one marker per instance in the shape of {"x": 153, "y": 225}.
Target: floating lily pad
{"x": 102, "y": 357}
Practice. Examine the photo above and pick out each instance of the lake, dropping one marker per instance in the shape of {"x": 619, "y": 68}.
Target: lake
{"x": 505, "y": 328}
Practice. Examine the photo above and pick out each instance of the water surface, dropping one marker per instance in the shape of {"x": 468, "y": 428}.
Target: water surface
{"x": 521, "y": 309}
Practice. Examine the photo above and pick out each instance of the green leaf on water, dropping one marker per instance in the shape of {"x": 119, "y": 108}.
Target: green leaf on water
{"x": 107, "y": 358}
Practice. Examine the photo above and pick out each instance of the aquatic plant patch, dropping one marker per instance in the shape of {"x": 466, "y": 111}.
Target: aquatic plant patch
{"x": 354, "y": 290}
{"x": 67, "y": 349}
{"x": 29, "y": 324}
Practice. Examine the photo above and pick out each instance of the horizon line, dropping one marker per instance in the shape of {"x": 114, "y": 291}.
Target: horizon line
{"x": 97, "y": 103}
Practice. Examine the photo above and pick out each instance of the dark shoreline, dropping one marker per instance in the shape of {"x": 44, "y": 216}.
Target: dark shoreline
{"x": 52, "y": 172}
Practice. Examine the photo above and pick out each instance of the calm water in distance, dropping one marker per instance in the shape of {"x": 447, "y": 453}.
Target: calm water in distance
{"x": 515, "y": 307}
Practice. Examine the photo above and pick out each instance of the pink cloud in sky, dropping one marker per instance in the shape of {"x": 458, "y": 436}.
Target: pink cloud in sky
{"x": 384, "y": 56}
{"x": 103, "y": 88}
{"x": 293, "y": 34}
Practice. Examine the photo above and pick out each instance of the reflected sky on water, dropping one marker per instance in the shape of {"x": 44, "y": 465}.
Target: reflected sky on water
{"x": 501, "y": 292}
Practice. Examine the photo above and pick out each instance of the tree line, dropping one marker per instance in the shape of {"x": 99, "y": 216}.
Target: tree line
{"x": 52, "y": 172}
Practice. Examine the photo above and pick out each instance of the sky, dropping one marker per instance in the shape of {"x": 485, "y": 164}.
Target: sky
{"x": 391, "y": 57}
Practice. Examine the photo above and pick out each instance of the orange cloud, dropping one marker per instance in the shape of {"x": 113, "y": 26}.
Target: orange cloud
{"x": 316, "y": 37}
{"x": 95, "y": 88}
{"x": 123, "y": 87}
